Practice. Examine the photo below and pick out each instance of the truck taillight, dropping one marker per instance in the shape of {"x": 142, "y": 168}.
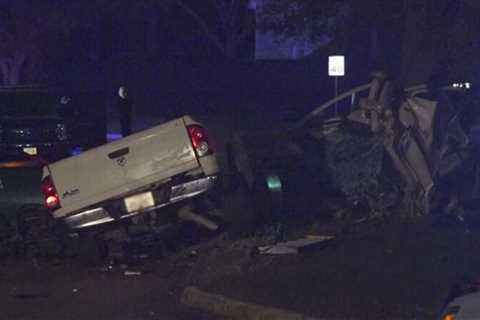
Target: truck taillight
{"x": 199, "y": 140}
{"x": 50, "y": 196}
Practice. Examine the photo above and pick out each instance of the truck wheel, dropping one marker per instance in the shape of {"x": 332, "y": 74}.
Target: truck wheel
{"x": 6, "y": 233}
{"x": 37, "y": 232}
{"x": 92, "y": 248}
{"x": 238, "y": 210}
{"x": 267, "y": 197}
{"x": 238, "y": 167}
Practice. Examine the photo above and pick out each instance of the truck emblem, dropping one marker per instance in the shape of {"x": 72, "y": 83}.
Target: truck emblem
{"x": 122, "y": 161}
{"x": 69, "y": 193}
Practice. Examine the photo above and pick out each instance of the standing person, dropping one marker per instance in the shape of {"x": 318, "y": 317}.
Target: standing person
{"x": 125, "y": 111}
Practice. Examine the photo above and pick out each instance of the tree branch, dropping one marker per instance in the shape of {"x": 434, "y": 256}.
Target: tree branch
{"x": 203, "y": 25}
{"x": 4, "y": 69}
{"x": 237, "y": 31}
{"x": 221, "y": 13}
{"x": 234, "y": 13}
{"x": 248, "y": 27}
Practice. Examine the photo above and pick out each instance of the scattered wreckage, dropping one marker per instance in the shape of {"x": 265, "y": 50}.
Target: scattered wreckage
{"x": 425, "y": 133}
{"x": 383, "y": 145}
{"x": 411, "y": 148}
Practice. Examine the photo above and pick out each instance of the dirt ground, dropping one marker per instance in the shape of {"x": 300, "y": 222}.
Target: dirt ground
{"x": 381, "y": 269}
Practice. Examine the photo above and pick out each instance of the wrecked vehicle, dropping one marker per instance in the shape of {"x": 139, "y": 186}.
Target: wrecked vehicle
{"x": 170, "y": 163}
{"x": 424, "y": 133}
{"x": 379, "y": 144}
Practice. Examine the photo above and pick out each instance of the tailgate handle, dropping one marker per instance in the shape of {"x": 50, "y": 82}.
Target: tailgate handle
{"x": 118, "y": 153}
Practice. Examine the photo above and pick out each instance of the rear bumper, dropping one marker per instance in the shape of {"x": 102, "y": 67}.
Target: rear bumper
{"x": 50, "y": 151}
{"x": 101, "y": 215}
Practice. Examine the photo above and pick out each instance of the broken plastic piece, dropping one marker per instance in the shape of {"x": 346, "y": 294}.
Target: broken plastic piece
{"x": 293, "y": 247}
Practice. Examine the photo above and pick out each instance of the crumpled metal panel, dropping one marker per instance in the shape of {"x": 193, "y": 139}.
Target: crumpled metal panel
{"x": 354, "y": 162}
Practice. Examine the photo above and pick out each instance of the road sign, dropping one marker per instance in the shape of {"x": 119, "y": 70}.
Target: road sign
{"x": 336, "y": 66}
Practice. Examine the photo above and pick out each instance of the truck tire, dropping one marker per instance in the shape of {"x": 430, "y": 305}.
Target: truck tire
{"x": 238, "y": 210}
{"x": 38, "y": 232}
{"x": 6, "y": 233}
{"x": 92, "y": 248}
{"x": 267, "y": 195}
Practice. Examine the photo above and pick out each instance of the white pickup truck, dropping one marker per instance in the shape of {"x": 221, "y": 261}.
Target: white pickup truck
{"x": 145, "y": 171}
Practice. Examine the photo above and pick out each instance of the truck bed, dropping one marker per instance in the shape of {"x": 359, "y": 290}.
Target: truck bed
{"x": 123, "y": 166}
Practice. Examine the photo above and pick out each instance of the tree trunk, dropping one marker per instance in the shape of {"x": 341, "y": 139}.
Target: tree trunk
{"x": 231, "y": 51}
{"x": 4, "y": 67}
{"x": 427, "y": 39}
{"x": 153, "y": 41}
{"x": 17, "y": 68}
{"x": 12, "y": 68}
{"x": 412, "y": 55}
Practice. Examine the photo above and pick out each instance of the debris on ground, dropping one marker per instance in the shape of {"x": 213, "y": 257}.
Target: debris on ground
{"x": 185, "y": 213}
{"x": 295, "y": 246}
{"x": 193, "y": 253}
{"x": 26, "y": 296}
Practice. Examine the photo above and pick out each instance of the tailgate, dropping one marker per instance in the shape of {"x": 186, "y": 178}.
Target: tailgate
{"x": 122, "y": 166}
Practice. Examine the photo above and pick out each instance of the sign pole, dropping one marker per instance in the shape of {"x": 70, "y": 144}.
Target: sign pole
{"x": 336, "y": 95}
{"x": 336, "y": 68}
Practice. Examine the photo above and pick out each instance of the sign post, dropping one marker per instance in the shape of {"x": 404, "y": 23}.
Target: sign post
{"x": 336, "y": 68}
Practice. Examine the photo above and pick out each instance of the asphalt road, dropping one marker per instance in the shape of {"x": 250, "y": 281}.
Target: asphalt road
{"x": 384, "y": 269}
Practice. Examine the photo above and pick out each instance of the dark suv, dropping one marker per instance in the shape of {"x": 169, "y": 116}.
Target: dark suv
{"x": 31, "y": 125}
{"x": 48, "y": 124}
